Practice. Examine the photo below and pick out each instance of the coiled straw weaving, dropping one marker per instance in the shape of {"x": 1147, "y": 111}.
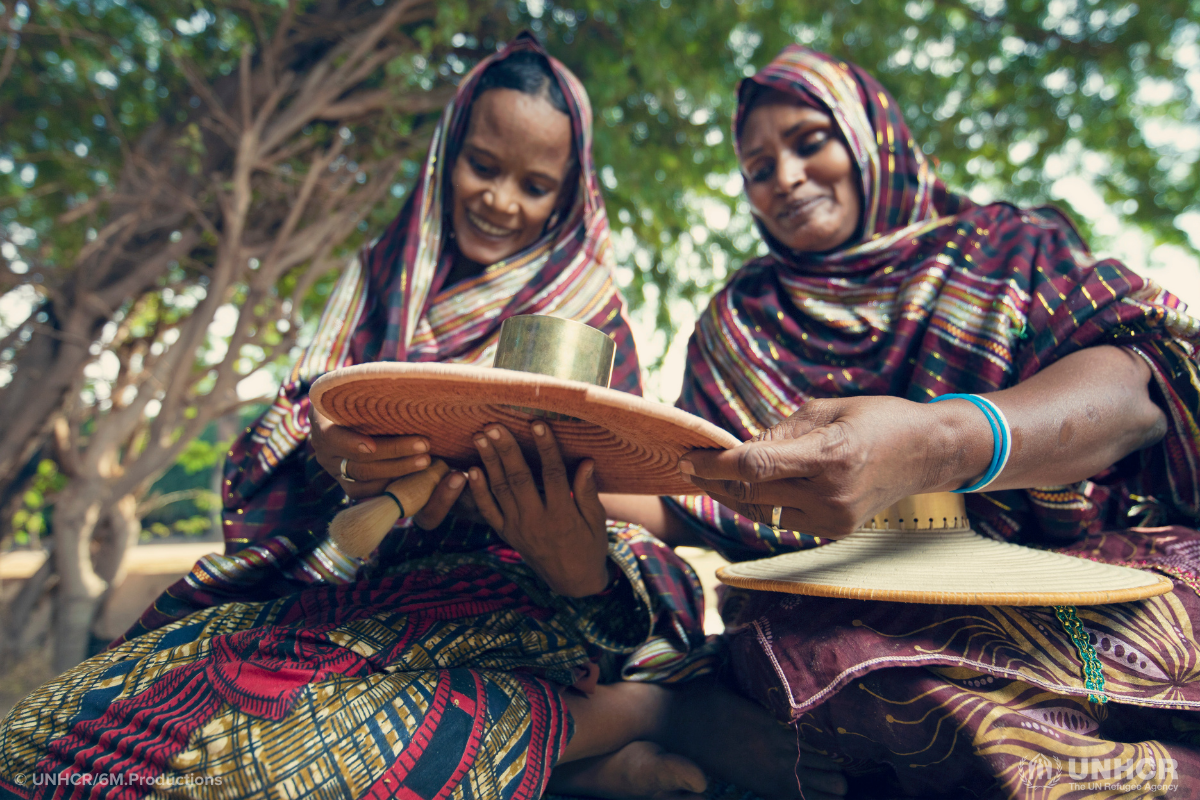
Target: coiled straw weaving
{"x": 635, "y": 443}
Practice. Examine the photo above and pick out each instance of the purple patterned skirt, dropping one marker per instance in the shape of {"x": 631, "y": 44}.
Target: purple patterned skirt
{"x": 984, "y": 701}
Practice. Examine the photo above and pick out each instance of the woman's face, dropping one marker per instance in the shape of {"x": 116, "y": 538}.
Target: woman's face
{"x": 800, "y": 177}
{"x": 509, "y": 174}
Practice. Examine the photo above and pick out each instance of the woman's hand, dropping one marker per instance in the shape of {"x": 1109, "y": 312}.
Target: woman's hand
{"x": 372, "y": 462}
{"x": 564, "y": 539}
{"x": 836, "y": 463}
{"x": 447, "y": 496}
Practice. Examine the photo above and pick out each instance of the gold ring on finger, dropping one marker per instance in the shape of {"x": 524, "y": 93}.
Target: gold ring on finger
{"x": 776, "y": 516}
{"x": 342, "y": 469}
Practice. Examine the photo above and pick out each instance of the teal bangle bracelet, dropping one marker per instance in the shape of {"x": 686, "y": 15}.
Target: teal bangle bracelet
{"x": 1001, "y": 439}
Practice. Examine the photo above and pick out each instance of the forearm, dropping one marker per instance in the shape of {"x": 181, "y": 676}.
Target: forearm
{"x": 1069, "y": 422}
{"x": 651, "y": 513}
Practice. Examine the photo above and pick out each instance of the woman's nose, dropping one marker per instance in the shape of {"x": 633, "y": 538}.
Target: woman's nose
{"x": 502, "y": 197}
{"x": 790, "y": 171}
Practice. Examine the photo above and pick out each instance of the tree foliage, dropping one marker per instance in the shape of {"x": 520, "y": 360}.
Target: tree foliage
{"x": 1009, "y": 96}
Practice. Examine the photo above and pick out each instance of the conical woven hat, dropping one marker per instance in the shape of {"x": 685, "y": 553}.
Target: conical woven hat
{"x": 635, "y": 443}
{"x": 930, "y": 555}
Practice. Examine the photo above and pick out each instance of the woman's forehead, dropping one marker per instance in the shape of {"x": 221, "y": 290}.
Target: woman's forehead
{"x": 775, "y": 117}
{"x": 505, "y": 121}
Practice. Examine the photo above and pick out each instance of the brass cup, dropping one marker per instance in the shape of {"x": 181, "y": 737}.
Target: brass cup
{"x": 561, "y": 348}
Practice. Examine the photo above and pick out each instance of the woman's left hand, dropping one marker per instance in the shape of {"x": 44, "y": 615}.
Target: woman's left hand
{"x": 563, "y": 538}
{"x": 835, "y": 463}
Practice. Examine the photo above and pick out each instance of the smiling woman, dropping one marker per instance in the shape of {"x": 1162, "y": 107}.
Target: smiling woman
{"x": 1071, "y": 387}
{"x": 508, "y": 176}
{"x": 800, "y": 178}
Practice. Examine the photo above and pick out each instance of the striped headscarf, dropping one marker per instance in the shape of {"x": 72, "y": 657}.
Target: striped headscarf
{"x": 902, "y": 196}
{"x": 565, "y": 273}
{"x": 935, "y": 295}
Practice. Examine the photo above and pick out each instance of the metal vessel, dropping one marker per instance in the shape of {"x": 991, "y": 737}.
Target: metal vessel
{"x": 561, "y": 348}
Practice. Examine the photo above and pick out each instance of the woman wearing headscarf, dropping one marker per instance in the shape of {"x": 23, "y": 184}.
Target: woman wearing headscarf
{"x": 882, "y": 291}
{"x": 285, "y": 667}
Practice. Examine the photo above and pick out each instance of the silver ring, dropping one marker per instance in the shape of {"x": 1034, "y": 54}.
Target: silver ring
{"x": 342, "y": 469}
{"x": 776, "y": 515}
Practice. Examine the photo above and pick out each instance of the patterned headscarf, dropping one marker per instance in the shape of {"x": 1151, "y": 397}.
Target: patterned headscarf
{"x": 936, "y": 295}
{"x": 901, "y": 195}
{"x": 390, "y": 303}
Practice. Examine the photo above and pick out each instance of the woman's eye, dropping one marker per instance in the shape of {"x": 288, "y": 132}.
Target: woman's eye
{"x": 533, "y": 190}
{"x": 479, "y": 168}
{"x": 811, "y": 144}
{"x": 762, "y": 173}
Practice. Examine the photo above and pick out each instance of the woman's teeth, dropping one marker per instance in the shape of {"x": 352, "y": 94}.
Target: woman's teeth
{"x": 487, "y": 227}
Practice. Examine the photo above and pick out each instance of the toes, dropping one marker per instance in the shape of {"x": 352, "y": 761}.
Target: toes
{"x": 640, "y": 770}
{"x": 653, "y": 772}
{"x": 682, "y": 774}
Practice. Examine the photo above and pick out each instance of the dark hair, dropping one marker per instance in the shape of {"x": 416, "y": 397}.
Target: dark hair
{"x": 528, "y": 73}
{"x": 752, "y": 94}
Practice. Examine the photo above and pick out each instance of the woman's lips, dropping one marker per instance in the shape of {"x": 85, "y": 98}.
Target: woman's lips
{"x": 486, "y": 228}
{"x": 799, "y": 210}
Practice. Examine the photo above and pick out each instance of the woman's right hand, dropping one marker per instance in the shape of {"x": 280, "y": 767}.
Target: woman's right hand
{"x": 836, "y": 462}
{"x": 372, "y": 462}
{"x": 561, "y": 535}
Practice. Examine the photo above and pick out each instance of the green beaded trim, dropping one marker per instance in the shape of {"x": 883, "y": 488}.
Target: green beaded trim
{"x": 1093, "y": 673}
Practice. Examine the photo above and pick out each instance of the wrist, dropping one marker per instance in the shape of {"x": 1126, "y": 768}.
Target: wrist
{"x": 964, "y": 448}
{"x": 597, "y": 581}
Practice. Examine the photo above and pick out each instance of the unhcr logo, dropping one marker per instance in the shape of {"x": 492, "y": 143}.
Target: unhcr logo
{"x": 1039, "y": 771}
{"x": 1124, "y": 775}
{"x": 1094, "y": 774}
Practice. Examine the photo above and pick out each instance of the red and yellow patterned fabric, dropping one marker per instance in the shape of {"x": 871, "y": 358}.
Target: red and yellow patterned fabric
{"x": 438, "y": 678}
{"x": 939, "y": 295}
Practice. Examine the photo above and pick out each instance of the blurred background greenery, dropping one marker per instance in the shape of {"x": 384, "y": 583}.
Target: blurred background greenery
{"x": 1088, "y": 104}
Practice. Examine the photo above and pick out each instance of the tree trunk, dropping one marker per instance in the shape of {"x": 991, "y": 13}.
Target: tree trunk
{"x": 79, "y": 588}
{"x": 123, "y": 531}
{"x": 111, "y": 559}
{"x": 44, "y": 371}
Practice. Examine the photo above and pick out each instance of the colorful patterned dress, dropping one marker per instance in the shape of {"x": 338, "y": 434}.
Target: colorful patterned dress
{"x": 940, "y": 295}
{"x": 281, "y": 668}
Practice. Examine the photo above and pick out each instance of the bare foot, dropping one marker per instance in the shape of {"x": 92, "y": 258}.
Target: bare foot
{"x": 638, "y": 771}
{"x": 739, "y": 741}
